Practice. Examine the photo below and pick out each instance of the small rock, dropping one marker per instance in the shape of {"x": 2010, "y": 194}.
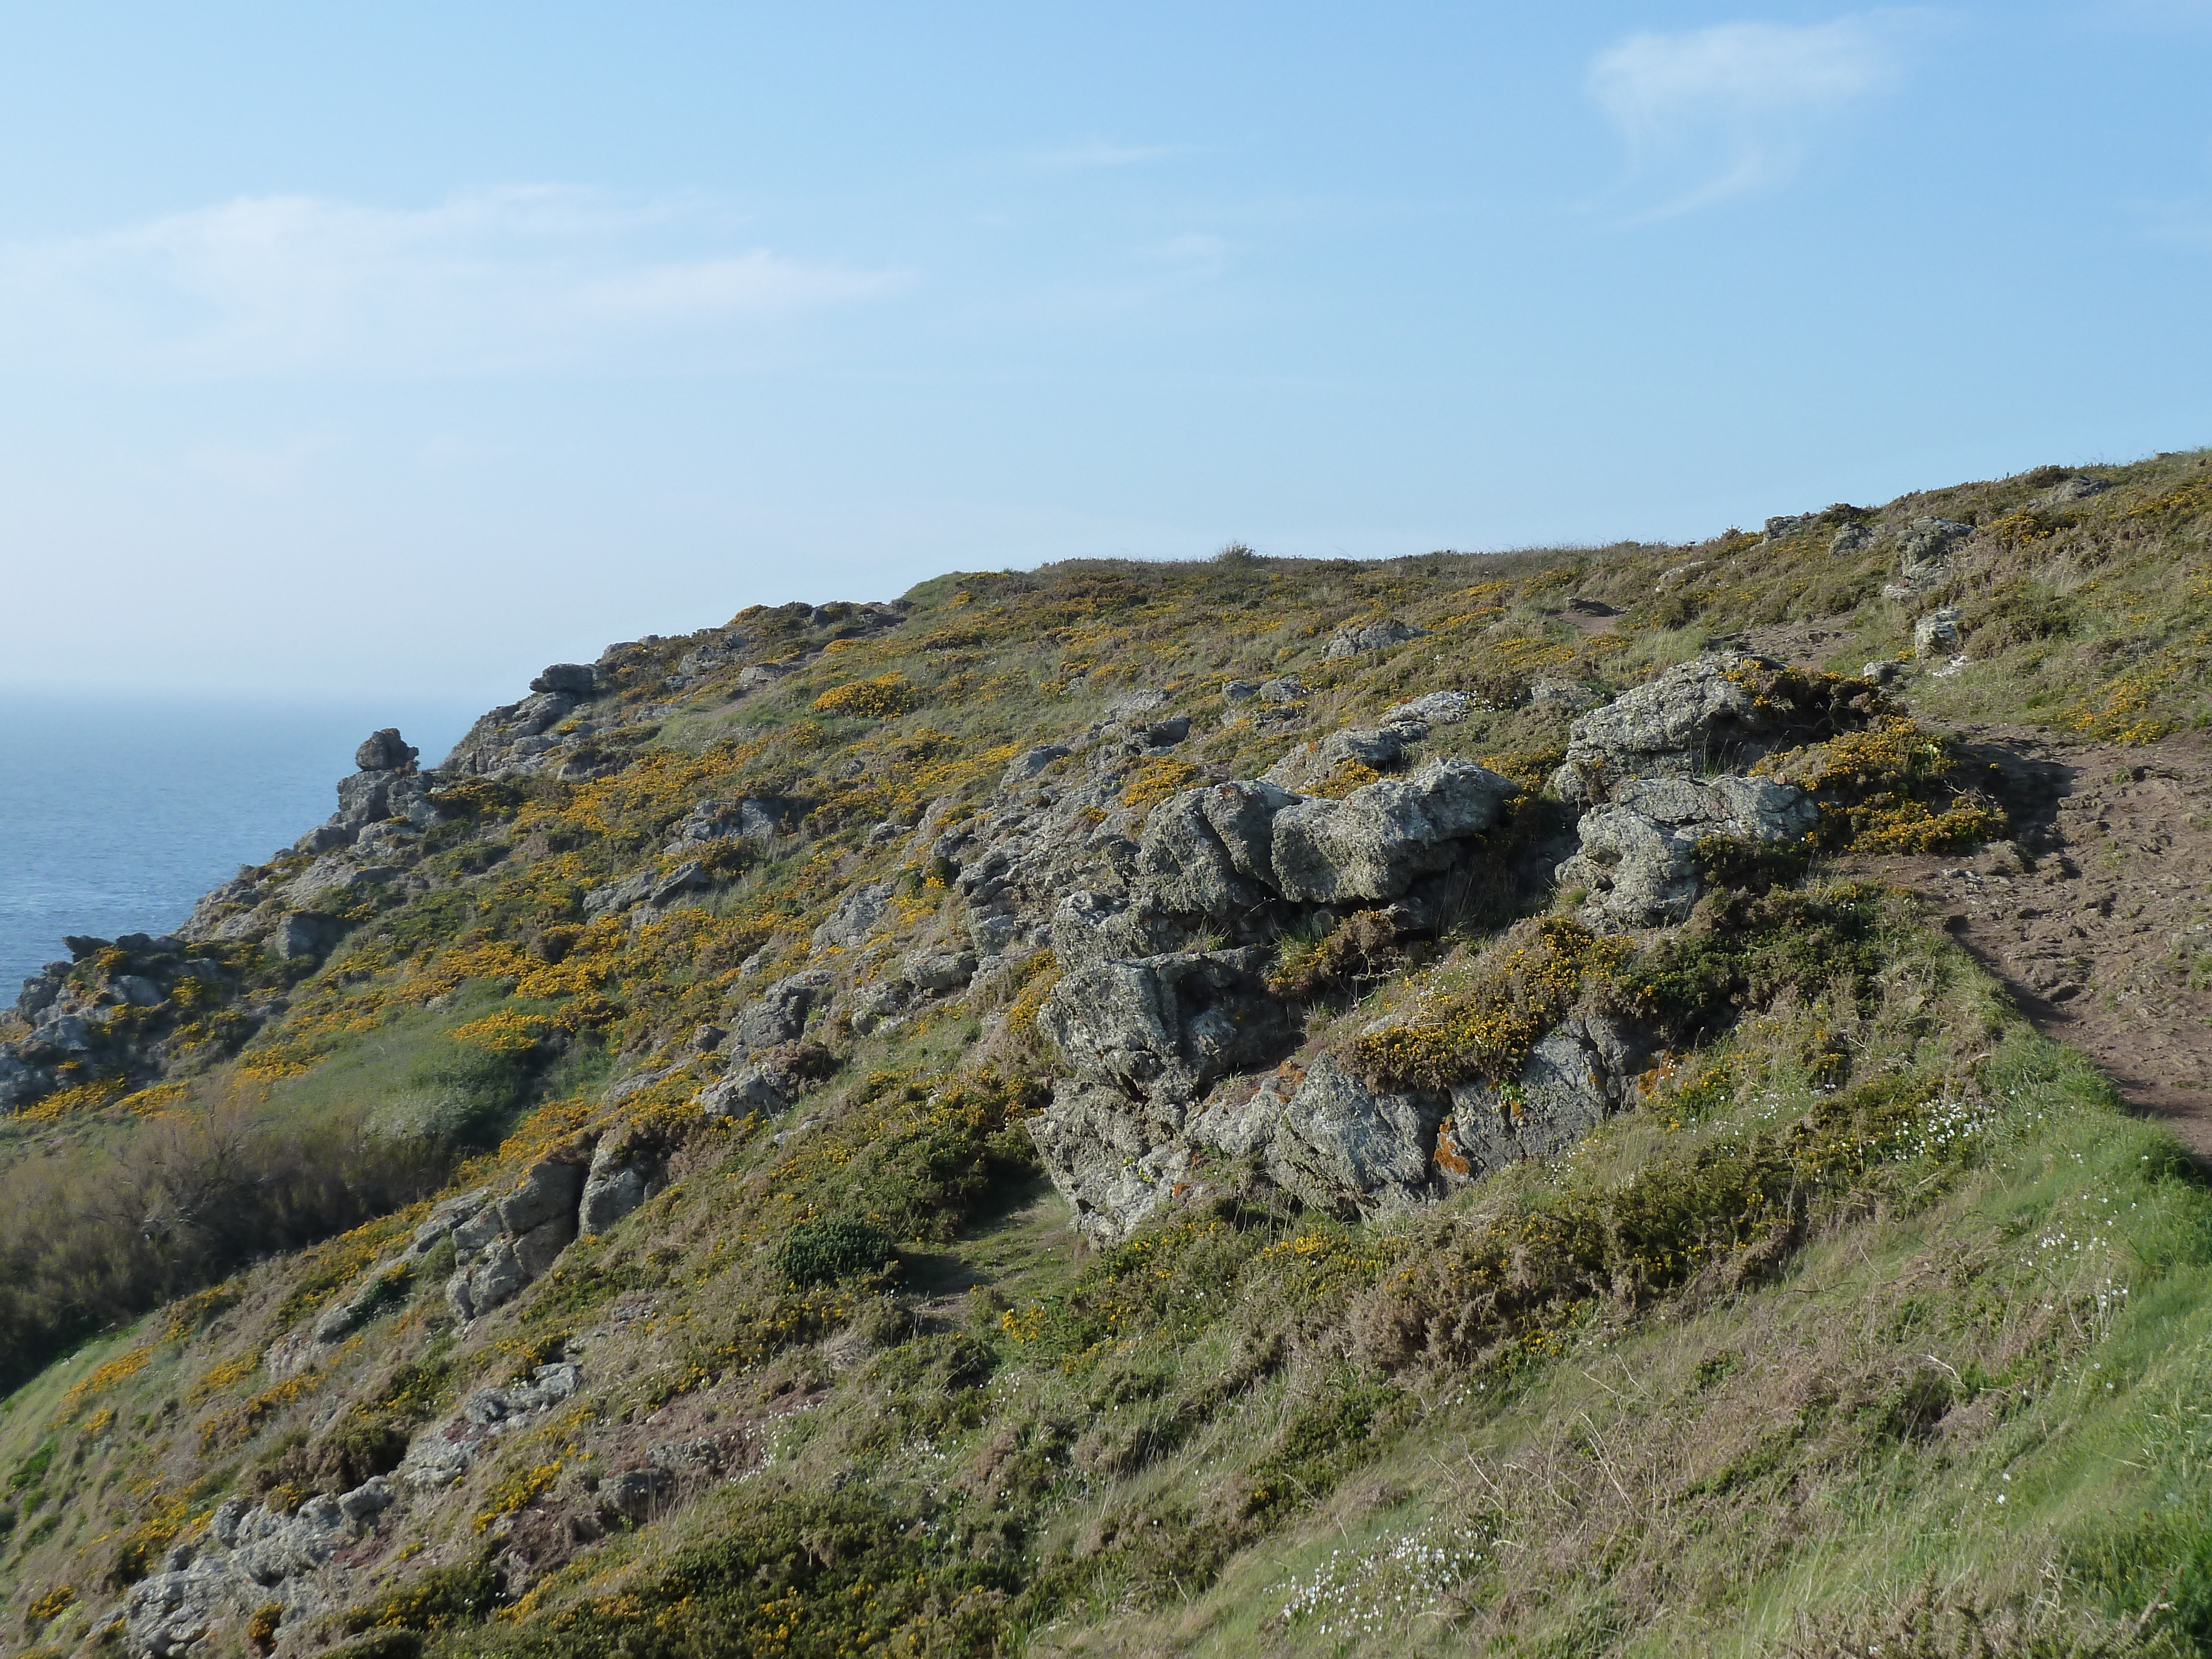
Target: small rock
{"x": 1851, "y": 538}
{"x": 367, "y": 1501}
{"x": 1030, "y": 761}
{"x": 1936, "y": 634}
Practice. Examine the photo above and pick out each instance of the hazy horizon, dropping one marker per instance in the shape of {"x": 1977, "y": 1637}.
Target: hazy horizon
{"x": 405, "y": 352}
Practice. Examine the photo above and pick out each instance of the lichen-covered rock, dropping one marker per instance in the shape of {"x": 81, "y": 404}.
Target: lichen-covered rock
{"x": 1717, "y": 714}
{"x": 1375, "y": 842}
{"x": 1637, "y": 861}
{"x": 1923, "y": 550}
{"x": 1565, "y": 1090}
{"x": 1936, "y": 634}
{"x": 1188, "y": 867}
{"x": 621, "y": 1177}
{"x": 1378, "y": 748}
{"x": 1373, "y": 636}
{"x": 1114, "y": 1160}
{"x": 778, "y": 1012}
{"x": 1345, "y": 1147}
{"x": 1162, "y": 1029}
{"x": 859, "y": 915}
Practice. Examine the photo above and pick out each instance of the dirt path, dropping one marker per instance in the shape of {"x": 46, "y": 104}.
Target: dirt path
{"x": 2097, "y": 931}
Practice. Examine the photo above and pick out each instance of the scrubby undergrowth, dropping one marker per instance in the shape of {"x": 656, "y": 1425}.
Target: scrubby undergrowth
{"x": 1872, "y": 1325}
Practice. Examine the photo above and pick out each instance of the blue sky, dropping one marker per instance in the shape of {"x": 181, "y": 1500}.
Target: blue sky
{"x": 398, "y": 351}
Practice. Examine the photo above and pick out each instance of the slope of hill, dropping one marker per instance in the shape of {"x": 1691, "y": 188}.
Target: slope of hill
{"x": 1465, "y": 1103}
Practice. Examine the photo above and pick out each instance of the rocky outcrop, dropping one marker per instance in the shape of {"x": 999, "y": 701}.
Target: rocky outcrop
{"x": 1372, "y": 636}
{"x": 1923, "y": 556}
{"x": 443, "y": 1453}
{"x": 1148, "y": 1024}
{"x": 1718, "y": 713}
{"x": 501, "y": 1245}
{"x": 1638, "y": 858}
{"x": 248, "y": 1558}
{"x": 125, "y": 1010}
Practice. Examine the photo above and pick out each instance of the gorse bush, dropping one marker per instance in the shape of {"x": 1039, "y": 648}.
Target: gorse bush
{"x": 830, "y": 1247}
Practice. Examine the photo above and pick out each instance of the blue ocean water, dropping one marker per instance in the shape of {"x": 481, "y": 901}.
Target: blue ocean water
{"x": 117, "y": 813}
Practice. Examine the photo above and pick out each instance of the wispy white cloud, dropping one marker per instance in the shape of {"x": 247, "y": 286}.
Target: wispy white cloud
{"x": 486, "y": 280}
{"x": 1714, "y": 113}
{"x": 1101, "y": 153}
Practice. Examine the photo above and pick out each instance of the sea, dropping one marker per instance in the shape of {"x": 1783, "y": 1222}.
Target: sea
{"x": 117, "y": 812}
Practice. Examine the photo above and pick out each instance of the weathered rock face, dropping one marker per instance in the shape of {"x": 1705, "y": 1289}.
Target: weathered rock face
{"x": 1923, "y": 556}
{"x": 1148, "y": 1026}
{"x": 1349, "y": 1149}
{"x": 508, "y": 1242}
{"x": 1716, "y": 714}
{"x": 1373, "y": 636}
{"x": 778, "y": 1012}
{"x": 1638, "y": 860}
{"x": 249, "y": 1557}
{"x": 1575, "y": 1078}
{"x": 1377, "y": 841}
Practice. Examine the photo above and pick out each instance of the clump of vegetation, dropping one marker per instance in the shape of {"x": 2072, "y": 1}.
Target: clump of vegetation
{"x": 827, "y": 1248}
{"x": 1361, "y": 951}
{"x": 1740, "y": 952}
{"x": 1482, "y": 1021}
{"x": 1893, "y": 788}
{"x": 885, "y": 697}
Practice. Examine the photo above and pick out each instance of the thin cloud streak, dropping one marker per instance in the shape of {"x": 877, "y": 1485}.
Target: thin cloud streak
{"x": 1712, "y": 113}
{"x": 1099, "y": 153}
{"x": 489, "y": 281}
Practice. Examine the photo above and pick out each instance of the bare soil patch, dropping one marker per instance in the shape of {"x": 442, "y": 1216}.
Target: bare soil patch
{"x": 2096, "y": 931}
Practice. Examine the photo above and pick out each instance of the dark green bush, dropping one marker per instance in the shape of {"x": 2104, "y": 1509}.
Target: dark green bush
{"x": 831, "y": 1247}
{"x": 1742, "y": 951}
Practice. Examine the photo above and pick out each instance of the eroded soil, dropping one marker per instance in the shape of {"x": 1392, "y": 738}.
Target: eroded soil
{"x": 2100, "y": 930}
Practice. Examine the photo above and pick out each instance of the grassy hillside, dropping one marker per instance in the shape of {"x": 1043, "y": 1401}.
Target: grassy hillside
{"x": 1875, "y": 1324}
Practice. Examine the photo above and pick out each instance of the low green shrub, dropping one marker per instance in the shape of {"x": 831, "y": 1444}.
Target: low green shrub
{"x": 827, "y": 1248}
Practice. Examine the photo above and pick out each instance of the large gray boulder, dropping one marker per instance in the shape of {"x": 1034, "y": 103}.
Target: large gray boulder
{"x": 1162, "y": 1029}
{"x": 1363, "y": 637}
{"x": 576, "y": 679}
{"x": 1377, "y": 841}
{"x": 1352, "y": 1149}
{"x": 385, "y": 751}
{"x": 1717, "y": 714}
{"x": 1638, "y": 856}
{"x": 1144, "y": 1039}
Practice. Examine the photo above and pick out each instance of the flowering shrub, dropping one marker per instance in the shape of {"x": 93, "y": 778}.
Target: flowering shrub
{"x": 885, "y": 697}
